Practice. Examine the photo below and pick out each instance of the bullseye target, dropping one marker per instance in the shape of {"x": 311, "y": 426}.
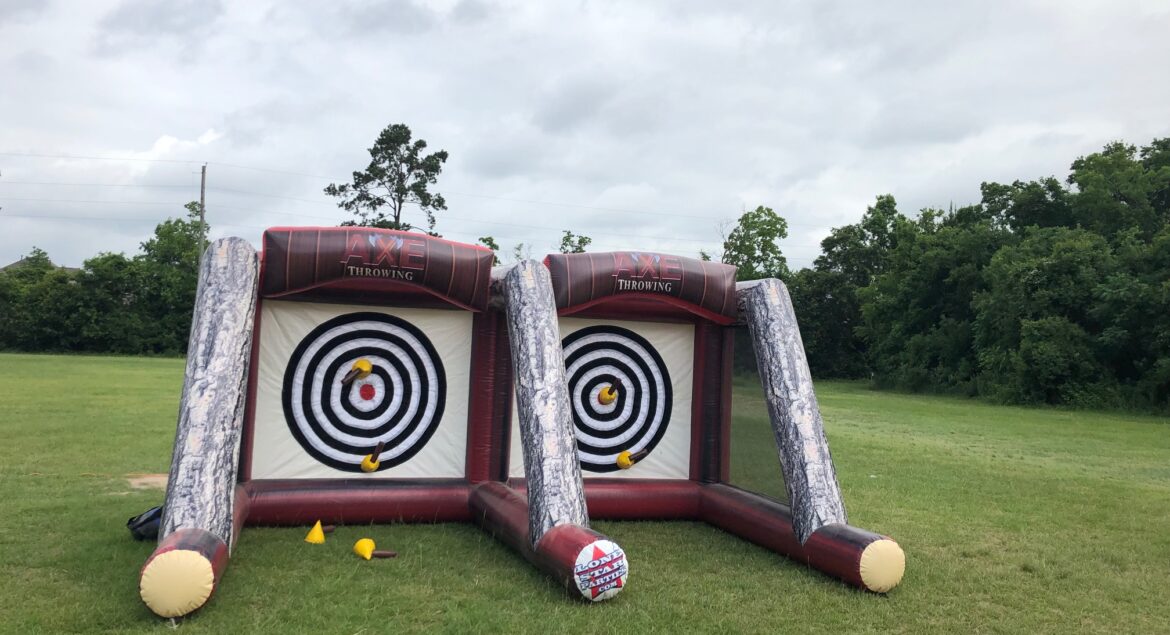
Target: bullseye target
{"x": 621, "y": 394}
{"x": 339, "y": 409}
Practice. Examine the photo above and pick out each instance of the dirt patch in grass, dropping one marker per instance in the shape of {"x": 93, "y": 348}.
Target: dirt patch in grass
{"x": 147, "y": 481}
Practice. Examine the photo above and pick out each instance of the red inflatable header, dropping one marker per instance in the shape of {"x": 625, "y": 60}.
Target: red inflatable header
{"x": 642, "y": 284}
{"x": 356, "y": 262}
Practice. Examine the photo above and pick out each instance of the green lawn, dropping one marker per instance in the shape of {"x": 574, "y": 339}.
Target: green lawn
{"x": 1013, "y": 520}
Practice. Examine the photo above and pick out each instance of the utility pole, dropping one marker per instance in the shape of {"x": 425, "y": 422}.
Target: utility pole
{"x": 203, "y": 207}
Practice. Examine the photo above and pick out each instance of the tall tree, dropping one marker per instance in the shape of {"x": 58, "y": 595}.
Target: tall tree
{"x": 1116, "y": 191}
{"x": 1035, "y": 325}
{"x": 753, "y": 246}
{"x": 521, "y": 251}
{"x": 490, "y": 243}
{"x": 400, "y": 172}
{"x": 573, "y": 243}
{"x": 170, "y": 272}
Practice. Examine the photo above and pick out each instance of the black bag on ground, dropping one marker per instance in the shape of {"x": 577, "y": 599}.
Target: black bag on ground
{"x": 145, "y": 525}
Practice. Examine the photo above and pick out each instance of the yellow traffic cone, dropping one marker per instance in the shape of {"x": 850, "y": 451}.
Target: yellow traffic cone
{"x": 316, "y": 535}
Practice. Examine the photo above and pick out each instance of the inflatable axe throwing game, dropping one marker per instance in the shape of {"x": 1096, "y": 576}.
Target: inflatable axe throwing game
{"x": 351, "y": 375}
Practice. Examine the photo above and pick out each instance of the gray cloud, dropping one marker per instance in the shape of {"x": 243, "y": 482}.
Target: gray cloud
{"x": 13, "y": 11}
{"x": 644, "y": 125}
{"x": 135, "y": 24}
{"x": 393, "y": 16}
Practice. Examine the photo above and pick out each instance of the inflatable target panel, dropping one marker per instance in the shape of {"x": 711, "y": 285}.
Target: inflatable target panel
{"x": 630, "y": 389}
{"x": 621, "y": 391}
{"x": 363, "y": 356}
{"x": 629, "y": 326}
{"x": 398, "y": 403}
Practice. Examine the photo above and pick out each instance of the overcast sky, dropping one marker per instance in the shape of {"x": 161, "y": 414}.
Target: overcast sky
{"x": 641, "y": 124}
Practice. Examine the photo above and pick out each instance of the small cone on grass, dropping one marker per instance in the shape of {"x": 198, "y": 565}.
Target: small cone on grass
{"x": 316, "y": 535}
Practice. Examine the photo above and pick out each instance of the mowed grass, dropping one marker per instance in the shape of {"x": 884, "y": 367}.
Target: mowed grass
{"x": 1013, "y": 520}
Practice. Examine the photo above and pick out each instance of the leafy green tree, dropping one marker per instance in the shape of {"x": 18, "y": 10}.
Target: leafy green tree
{"x": 753, "y": 246}
{"x": 18, "y": 324}
{"x": 826, "y": 296}
{"x": 1155, "y": 160}
{"x": 860, "y": 252}
{"x": 1116, "y": 191}
{"x": 111, "y": 306}
{"x": 169, "y": 270}
{"x": 52, "y": 305}
{"x": 1043, "y": 203}
{"x": 916, "y": 315}
{"x": 573, "y": 243}
{"x": 521, "y": 251}
{"x": 490, "y": 243}
{"x": 1035, "y": 291}
{"x": 400, "y": 172}
{"x": 829, "y": 314}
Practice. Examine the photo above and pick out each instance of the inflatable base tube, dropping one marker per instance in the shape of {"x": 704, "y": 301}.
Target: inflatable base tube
{"x": 644, "y": 499}
{"x": 181, "y": 574}
{"x": 356, "y": 501}
{"x": 615, "y": 499}
{"x": 861, "y": 558}
{"x": 579, "y": 558}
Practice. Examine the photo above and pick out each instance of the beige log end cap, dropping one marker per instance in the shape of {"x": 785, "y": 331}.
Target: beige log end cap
{"x": 177, "y": 582}
{"x": 882, "y": 565}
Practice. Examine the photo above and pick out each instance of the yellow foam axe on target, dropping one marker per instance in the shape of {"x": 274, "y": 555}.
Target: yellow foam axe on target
{"x": 359, "y": 370}
{"x": 626, "y": 459}
{"x": 370, "y": 463}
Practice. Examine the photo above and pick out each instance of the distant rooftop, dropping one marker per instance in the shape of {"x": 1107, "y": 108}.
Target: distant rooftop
{"x": 20, "y": 263}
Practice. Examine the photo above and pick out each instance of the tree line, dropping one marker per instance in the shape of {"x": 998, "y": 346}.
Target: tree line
{"x": 139, "y": 305}
{"x": 1043, "y": 292}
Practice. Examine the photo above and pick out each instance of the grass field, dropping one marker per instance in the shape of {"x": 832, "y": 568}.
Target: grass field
{"x": 1013, "y": 520}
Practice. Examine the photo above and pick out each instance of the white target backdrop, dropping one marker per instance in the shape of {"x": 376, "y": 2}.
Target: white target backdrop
{"x": 310, "y": 424}
{"x": 650, "y": 368}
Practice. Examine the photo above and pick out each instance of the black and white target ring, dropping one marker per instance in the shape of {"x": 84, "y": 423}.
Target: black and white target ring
{"x": 399, "y": 403}
{"x": 610, "y": 358}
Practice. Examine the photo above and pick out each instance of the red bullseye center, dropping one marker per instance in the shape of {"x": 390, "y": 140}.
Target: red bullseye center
{"x": 367, "y": 392}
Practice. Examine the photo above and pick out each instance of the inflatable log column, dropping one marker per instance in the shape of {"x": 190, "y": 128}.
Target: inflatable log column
{"x": 552, "y": 530}
{"x": 202, "y": 514}
{"x": 814, "y": 529}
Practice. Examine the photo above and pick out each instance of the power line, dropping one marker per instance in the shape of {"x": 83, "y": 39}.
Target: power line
{"x": 789, "y": 251}
{"x": 70, "y": 184}
{"x": 113, "y": 218}
{"x": 92, "y": 158}
{"x": 452, "y": 192}
{"x": 334, "y": 219}
{"x": 71, "y": 200}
